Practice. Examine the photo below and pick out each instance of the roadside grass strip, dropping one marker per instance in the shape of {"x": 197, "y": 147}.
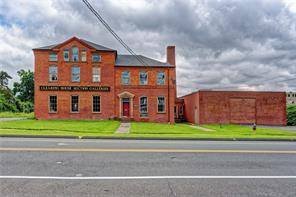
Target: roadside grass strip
{"x": 138, "y": 130}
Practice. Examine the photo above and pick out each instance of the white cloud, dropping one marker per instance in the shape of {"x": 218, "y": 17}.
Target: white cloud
{"x": 237, "y": 44}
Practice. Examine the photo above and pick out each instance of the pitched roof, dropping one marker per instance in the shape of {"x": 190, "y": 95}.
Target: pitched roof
{"x": 121, "y": 60}
{"x": 96, "y": 46}
{"x": 130, "y": 60}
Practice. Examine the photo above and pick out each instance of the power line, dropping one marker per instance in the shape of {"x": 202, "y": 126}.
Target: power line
{"x": 99, "y": 17}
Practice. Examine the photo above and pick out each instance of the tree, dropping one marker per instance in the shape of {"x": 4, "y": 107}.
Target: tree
{"x": 4, "y": 77}
{"x": 24, "y": 90}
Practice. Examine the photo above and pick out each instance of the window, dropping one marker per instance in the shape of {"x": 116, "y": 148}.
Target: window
{"x": 96, "y": 74}
{"x": 66, "y": 55}
{"x": 95, "y": 57}
{"x": 143, "y": 105}
{"x": 75, "y": 57}
{"x": 75, "y": 74}
{"x": 143, "y": 78}
{"x": 160, "y": 104}
{"x": 83, "y": 56}
{"x": 53, "y": 57}
{"x": 125, "y": 77}
{"x": 96, "y": 104}
{"x": 53, "y": 104}
{"x": 74, "y": 103}
{"x": 160, "y": 78}
{"x": 53, "y": 73}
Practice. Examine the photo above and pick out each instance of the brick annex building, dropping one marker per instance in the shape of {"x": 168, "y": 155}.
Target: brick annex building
{"x": 78, "y": 79}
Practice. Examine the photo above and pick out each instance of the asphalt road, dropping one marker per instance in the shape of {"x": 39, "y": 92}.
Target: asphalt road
{"x": 68, "y": 167}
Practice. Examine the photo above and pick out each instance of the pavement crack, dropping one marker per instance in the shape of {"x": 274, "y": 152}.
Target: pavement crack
{"x": 172, "y": 192}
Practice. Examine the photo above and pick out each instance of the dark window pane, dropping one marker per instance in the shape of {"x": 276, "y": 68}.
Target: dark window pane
{"x": 74, "y": 103}
{"x": 96, "y": 104}
{"x": 52, "y": 103}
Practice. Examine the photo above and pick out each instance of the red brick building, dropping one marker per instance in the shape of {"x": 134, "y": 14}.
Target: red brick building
{"x": 78, "y": 79}
{"x": 238, "y": 107}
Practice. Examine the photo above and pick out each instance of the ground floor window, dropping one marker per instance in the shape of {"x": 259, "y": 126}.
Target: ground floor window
{"x": 160, "y": 104}
{"x": 143, "y": 106}
{"x": 53, "y": 107}
{"x": 96, "y": 103}
{"x": 74, "y": 103}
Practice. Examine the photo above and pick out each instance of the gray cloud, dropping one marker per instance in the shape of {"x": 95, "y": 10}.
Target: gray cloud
{"x": 246, "y": 44}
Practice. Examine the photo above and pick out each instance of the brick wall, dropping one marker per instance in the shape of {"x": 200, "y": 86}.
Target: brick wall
{"x": 267, "y": 108}
{"x": 42, "y": 64}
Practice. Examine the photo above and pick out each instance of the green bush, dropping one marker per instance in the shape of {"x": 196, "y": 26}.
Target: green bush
{"x": 291, "y": 115}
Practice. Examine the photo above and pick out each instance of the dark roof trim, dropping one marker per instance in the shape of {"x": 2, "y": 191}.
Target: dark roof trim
{"x": 131, "y": 60}
{"x": 85, "y": 42}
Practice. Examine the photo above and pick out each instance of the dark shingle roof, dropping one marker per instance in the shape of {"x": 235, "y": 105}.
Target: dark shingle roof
{"x": 96, "y": 46}
{"x": 130, "y": 60}
{"x": 49, "y": 47}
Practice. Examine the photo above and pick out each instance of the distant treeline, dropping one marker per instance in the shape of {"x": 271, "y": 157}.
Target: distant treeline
{"x": 21, "y": 97}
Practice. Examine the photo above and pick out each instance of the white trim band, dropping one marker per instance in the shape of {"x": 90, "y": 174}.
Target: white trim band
{"x": 144, "y": 177}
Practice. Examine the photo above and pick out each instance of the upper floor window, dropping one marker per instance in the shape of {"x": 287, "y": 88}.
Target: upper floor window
{"x": 66, "y": 55}
{"x": 75, "y": 53}
{"x": 160, "y": 104}
{"x": 53, "y": 57}
{"x": 143, "y": 78}
{"x": 96, "y": 74}
{"x": 83, "y": 55}
{"x": 53, "y": 107}
{"x": 160, "y": 78}
{"x": 95, "y": 57}
{"x": 125, "y": 78}
{"x": 75, "y": 74}
{"x": 53, "y": 73}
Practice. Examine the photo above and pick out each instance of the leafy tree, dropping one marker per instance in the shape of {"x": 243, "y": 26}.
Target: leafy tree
{"x": 4, "y": 77}
{"x": 291, "y": 115}
{"x": 24, "y": 90}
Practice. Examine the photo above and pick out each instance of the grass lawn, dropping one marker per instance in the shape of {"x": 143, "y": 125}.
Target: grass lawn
{"x": 106, "y": 128}
{"x": 16, "y": 115}
{"x": 226, "y": 131}
{"x": 59, "y": 127}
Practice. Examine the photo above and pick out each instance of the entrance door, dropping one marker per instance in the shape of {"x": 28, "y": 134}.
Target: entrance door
{"x": 126, "y": 107}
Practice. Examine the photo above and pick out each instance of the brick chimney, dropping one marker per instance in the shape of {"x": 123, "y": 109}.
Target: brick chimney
{"x": 171, "y": 55}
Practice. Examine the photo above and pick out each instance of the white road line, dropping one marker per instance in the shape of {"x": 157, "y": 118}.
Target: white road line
{"x": 144, "y": 177}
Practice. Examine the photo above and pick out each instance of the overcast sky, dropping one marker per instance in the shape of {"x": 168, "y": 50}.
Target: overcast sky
{"x": 225, "y": 44}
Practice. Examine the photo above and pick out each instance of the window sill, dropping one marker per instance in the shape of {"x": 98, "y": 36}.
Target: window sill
{"x": 74, "y": 112}
{"x": 52, "y": 112}
{"x": 97, "y": 112}
{"x": 161, "y": 112}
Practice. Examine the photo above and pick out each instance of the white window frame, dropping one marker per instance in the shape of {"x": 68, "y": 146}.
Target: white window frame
{"x": 100, "y": 105}
{"x": 164, "y": 111}
{"x": 49, "y": 106}
{"x": 146, "y": 83}
{"x": 92, "y": 57}
{"x": 129, "y": 77}
{"x": 163, "y": 78}
{"x": 51, "y": 59}
{"x": 73, "y": 72}
{"x": 50, "y": 75}
{"x": 98, "y": 74}
{"x": 64, "y": 52}
{"x": 72, "y": 56}
{"x": 83, "y": 55}
{"x": 140, "y": 105}
{"x": 71, "y": 104}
